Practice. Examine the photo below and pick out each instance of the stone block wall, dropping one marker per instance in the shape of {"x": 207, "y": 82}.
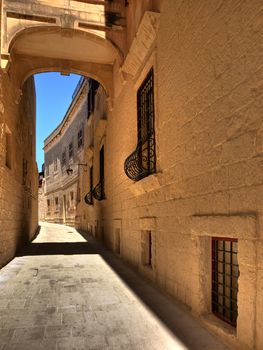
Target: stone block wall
{"x": 19, "y": 181}
{"x": 206, "y": 58}
{"x": 208, "y": 101}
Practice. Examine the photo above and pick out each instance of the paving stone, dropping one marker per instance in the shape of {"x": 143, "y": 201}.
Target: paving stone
{"x": 22, "y": 334}
{"x": 78, "y": 301}
{"x": 57, "y": 332}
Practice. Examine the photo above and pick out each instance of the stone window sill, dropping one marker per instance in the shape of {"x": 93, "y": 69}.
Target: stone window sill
{"x": 220, "y": 328}
{"x": 145, "y": 185}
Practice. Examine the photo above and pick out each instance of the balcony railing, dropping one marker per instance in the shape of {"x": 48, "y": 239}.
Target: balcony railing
{"x": 141, "y": 162}
{"x": 98, "y": 191}
{"x": 89, "y": 198}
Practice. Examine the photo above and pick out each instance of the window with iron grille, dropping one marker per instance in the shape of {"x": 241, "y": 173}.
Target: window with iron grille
{"x": 70, "y": 150}
{"x": 142, "y": 162}
{"x": 80, "y": 138}
{"x": 145, "y": 123}
{"x": 225, "y": 274}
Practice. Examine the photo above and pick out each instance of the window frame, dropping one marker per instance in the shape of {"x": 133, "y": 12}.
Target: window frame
{"x": 214, "y": 280}
{"x": 146, "y": 125}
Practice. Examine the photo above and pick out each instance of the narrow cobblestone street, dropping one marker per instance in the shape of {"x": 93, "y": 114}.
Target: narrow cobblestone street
{"x": 63, "y": 292}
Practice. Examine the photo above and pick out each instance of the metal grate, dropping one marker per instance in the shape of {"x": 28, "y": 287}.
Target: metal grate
{"x": 225, "y": 274}
{"x": 142, "y": 162}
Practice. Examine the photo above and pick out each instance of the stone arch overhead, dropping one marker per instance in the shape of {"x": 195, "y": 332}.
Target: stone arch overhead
{"x": 27, "y": 60}
{"x": 25, "y": 66}
{"x": 96, "y": 72}
{"x": 90, "y": 35}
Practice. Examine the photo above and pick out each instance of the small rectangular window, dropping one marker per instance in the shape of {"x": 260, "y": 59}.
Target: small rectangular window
{"x": 55, "y": 164}
{"x": 146, "y": 246}
{"x": 56, "y": 203}
{"x": 70, "y": 150}
{"x": 48, "y": 203}
{"x": 225, "y": 274}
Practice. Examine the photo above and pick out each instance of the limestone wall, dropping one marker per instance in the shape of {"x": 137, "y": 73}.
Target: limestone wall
{"x": 208, "y": 101}
{"x": 207, "y": 62}
{"x": 18, "y": 170}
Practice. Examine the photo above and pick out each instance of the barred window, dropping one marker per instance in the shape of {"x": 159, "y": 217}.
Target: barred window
{"x": 225, "y": 279}
{"x": 142, "y": 162}
{"x": 145, "y": 107}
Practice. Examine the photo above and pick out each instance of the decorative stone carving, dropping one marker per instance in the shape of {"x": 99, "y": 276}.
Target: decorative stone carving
{"x": 142, "y": 42}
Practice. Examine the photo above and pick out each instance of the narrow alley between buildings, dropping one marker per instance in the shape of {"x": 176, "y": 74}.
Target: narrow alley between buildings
{"x": 65, "y": 291}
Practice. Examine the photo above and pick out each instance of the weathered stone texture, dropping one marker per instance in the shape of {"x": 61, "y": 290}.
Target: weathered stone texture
{"x": 207, "y": 61}
{"x": 18, "y": 192}
{"x": 208, "y": 126}
{"x": 59, "y": 184}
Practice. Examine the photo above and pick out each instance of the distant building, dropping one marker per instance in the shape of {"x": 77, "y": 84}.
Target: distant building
{"x": 41, "y": 195}
{"x": 63, "y": 153}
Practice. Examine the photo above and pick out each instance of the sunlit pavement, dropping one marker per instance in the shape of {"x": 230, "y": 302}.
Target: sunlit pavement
{"x": 63, "y": 292}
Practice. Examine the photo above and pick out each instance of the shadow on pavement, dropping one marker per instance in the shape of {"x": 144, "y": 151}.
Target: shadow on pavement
{"x": 174, "y": 315}
{"x": 56, "y": 249}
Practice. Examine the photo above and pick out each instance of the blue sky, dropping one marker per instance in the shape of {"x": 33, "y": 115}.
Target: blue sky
{"x": 54, "y": 95}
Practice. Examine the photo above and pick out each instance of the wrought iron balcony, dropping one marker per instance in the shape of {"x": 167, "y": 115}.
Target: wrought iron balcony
{"x": 141, "y": 162}
{"x": 89, "y": 198}
{"x": 98, "y": 191}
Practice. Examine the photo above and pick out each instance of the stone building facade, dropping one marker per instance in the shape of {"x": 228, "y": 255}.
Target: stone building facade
{"x": 63, "y": 155}
{"x": 42, "y": 195}
{"x": 181, "y": 141}
{"x": 18, "y": 173}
